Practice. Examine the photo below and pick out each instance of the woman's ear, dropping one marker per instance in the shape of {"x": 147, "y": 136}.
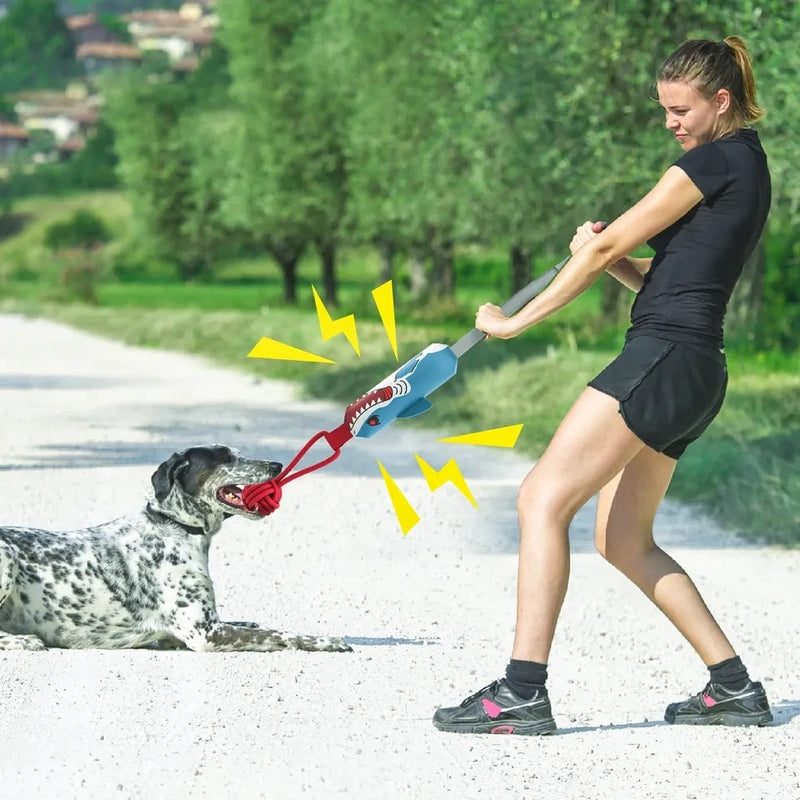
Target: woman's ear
{"x": 723, "y": 100}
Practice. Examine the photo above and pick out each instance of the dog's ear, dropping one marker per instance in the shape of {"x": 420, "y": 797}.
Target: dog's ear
{"x": 167, "y": 473}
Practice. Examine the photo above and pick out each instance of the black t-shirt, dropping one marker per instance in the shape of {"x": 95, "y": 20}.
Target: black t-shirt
{"x": 699, "y": 258}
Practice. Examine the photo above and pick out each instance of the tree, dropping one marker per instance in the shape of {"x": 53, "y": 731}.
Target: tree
{"x": 289, "y": 170}
{"x": 533, "y": 164}
{"x": 156, "y": 168}
{"x": 36, "y": 47}
{"x": 409, "y": 139}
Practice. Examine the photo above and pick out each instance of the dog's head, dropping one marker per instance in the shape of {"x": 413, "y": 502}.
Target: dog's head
{"x": 201, "y": 486}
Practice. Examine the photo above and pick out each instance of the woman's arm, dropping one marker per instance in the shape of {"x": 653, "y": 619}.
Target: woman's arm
{"x": 669, "y": 200}
{"x": 630, "y": 271}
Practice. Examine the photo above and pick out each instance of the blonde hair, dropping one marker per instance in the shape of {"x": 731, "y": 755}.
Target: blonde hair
{"x": 710, "y": 66}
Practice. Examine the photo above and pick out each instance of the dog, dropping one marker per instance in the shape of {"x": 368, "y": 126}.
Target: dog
{"x": 141, "y": 580}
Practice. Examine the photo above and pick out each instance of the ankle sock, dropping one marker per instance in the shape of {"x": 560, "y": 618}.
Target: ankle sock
{"x": 525, "y": 678}
{"x": 730, "y": 674}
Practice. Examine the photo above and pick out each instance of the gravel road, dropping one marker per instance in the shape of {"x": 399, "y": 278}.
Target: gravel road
{"x": 86, "y": 421}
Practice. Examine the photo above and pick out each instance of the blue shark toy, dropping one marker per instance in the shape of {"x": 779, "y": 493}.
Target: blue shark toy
{"x": 403, "y": 393}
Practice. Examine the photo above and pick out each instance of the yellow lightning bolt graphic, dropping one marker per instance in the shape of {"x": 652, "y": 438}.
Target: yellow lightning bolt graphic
{"x": 384, "y": 300}
{"x": 406, "y": 515}
{"x": 330, "y": 328}
{"x": 278, "y": 351}
{"x": 496, "y": 437}
{"x": 449, "y": 472}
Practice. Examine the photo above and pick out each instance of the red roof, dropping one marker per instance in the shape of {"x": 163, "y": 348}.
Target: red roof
{"x": 188, "y": 64}
{"x": 191, "y": 33}
{"x": 72, "y": 145}
{"x": 108, "y": 50}
{"x": 8, "y": 131}
{"x": 155, "y": 17}
{"x": 79, "y": 21}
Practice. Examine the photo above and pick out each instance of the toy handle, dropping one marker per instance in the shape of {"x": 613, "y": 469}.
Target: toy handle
{"x": 511, "y": 306}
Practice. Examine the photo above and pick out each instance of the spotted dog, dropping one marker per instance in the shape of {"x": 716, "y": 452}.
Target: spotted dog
{"x": 140, "y": 580}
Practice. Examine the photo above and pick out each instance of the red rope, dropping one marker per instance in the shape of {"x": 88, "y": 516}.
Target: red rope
{"x": 266, "y": 496}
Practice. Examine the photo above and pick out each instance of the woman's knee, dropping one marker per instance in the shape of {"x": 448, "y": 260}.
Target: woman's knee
{"x": 625, "y": 549}
{"x": 545, "y": 499}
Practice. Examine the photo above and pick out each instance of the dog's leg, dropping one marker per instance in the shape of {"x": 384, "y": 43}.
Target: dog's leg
{"x": 8, "y": 575}
{"x": 223, "y": 637}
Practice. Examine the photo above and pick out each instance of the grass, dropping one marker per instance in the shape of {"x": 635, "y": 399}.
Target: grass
{"x": 746, "y": 469}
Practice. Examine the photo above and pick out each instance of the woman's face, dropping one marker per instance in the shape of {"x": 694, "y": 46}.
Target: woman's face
{"x": 692, "y": 119}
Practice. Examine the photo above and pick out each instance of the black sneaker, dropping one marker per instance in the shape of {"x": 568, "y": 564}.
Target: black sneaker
{"x": 718, "y": 706}
{"x": 497, "y": 709}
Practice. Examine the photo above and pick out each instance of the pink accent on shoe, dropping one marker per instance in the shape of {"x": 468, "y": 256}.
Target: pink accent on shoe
{"x": 493, "y": 711}
{"x": 708, "y": 701}
{"x": 503, "y": 729}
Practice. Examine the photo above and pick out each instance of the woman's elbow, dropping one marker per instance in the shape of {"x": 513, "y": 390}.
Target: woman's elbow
{"x": 606, "y": 252}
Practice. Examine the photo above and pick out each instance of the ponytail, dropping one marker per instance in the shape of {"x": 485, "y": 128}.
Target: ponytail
{"x": 750, "y": 110}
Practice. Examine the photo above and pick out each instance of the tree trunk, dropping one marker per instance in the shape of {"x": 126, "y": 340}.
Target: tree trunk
{"x": 386, "y": 251}
{"x": 288, "y": 265}
{"x": 190, "y": 269}
{"x": 444, "y": 269}
{"x": 287, "y": 254}
{"x": 521, "y": 267}
{"x": 327, "y": 252}
{"x": 420, "y": 285}
{"x": 744, "y": 308}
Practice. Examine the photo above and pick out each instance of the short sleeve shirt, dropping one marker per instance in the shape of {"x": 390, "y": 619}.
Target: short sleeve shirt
{"x": 699, "y": 258}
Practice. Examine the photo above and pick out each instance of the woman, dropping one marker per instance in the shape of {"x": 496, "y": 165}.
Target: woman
{"x": 626, "y": 431}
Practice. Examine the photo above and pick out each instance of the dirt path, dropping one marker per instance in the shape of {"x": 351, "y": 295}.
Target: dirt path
{"x": 84, "y": 424}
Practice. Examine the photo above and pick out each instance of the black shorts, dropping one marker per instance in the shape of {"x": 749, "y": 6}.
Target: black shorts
{"x": 668, "y": 392}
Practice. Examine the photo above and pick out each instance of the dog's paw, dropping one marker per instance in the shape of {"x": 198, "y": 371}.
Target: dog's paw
{"x": 21, "y": 642}
{"x": 320, "y": 644}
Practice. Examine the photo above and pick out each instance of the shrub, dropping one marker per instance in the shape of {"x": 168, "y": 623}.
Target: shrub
{"x": 84, "y": 230}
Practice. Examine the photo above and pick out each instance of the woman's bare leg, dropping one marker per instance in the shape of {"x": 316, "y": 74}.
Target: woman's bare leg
{"x": 590, "y": 447}
{"x": 626, "y": 508}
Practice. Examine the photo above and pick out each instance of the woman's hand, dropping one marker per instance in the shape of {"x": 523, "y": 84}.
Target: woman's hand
{"x": 491, "y": 320}
{"x": 583, "y": 234}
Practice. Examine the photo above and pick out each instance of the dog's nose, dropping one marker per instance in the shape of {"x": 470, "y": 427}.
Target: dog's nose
{"x": 275, "y": 467}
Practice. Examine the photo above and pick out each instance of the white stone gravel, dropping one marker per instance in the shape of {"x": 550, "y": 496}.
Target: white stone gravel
{"x": 84, "y": 424}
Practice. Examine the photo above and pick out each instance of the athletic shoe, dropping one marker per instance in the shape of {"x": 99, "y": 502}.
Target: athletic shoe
{"x": 497, "y": 709}
{"x": 716, "y": 705}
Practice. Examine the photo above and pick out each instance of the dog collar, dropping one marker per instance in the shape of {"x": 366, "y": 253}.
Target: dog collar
{"x": 159, "y": 516}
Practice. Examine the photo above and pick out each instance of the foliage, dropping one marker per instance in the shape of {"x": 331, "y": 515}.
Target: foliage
{"x": 427, "y": 129}
{"x": 83, "y": 230}
{"x": 287, "y": 161}
{"x": 36, "y": 47}
{"x": 115, "y": 25}
{"x": 156, "y": 166}
{"x": 7, "y": 112}
{"x": 94, "y": 167}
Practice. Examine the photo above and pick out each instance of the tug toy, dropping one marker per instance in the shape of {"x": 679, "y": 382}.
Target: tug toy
{"x": 400, "y": 395}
